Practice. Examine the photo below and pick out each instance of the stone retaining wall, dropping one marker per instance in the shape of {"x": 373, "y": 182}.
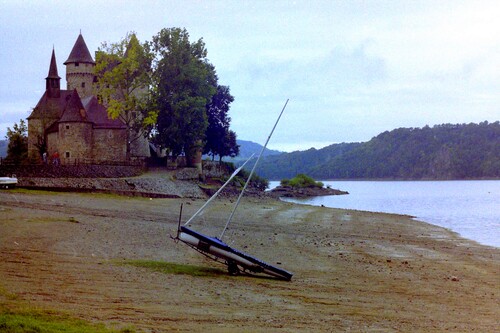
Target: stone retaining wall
{"x": 72, "y": 171}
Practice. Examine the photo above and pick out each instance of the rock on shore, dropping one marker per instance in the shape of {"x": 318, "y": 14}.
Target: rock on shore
{"x": 293, "y": 192}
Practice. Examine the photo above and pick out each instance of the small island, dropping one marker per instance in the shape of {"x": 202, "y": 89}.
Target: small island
{"x": 302, "y": 186}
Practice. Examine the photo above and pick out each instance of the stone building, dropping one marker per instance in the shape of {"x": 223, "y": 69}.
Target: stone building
{"x": 73, "y": 123}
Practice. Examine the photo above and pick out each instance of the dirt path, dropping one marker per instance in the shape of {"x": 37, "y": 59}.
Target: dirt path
{"x": 353, "y": 271}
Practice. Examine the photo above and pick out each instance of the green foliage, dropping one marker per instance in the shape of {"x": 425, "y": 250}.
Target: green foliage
{"x": 17, "y": 150}
{"x": 229, "y": 145}
{"x": 441, "y": 152}
{"x": 172, "y": 268}
{"x": 123, "y": 72}
{"x": 301, "y": 181}
{"x": 219, "y": 139}
{"x": 256, "y": 181}
{"x": 287, "y": 165}
{"x": 28, "y": 321}
{"x": 184, "y": 83}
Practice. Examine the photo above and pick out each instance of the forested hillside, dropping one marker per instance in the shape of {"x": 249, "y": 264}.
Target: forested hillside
{"x": 446, "y": 151}
{"x": 288, "y": 165}
{"x": 247, "y": 148}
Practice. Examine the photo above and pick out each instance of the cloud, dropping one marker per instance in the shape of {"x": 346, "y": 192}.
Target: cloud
{"x": 350, "y": 68}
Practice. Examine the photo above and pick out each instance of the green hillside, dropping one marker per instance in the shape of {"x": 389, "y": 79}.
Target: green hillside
{"x": 461, "y": 151}
{"x": 288, "y": 165}
{"x": 247, "y": 148}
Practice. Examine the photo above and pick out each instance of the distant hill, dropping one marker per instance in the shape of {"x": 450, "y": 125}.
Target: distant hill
{"x": 288, "y": 165}
{"x": 247, "y": 148}
{"x": 3, "y": 148}
{"x": 461, "y": 151}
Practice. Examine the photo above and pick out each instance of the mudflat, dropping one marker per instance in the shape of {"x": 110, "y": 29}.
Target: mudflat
{"x": 353, "y": 271}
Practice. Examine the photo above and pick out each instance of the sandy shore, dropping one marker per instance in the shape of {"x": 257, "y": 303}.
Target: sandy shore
{"x": 353, "y": 271}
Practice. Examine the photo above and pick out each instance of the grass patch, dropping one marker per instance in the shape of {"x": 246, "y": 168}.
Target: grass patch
{"x": 93, "y": 195}
{"x": 172, "y": 268}
{"x": 20, "y": 190}
{"x": 18, "y": 316}
{"x": 40, "y": 322}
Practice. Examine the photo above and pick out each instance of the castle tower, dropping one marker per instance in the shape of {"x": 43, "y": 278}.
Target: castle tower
{"x": 53, "y": 81}
{"x": 74, "y": 139}
{"x": 80, "y": 69}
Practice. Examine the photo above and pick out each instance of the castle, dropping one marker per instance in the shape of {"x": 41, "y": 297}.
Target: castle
{"x": 73, "y": 124}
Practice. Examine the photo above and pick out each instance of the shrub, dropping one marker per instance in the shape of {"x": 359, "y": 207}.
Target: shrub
{"x": 301, "y": 180}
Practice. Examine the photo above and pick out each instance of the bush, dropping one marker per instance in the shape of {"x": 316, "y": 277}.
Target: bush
{"x": 256, "y": 181}
{"x": 301, "y": 180}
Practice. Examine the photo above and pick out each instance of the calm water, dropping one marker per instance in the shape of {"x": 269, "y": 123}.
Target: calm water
{"x": 471, "y": 208}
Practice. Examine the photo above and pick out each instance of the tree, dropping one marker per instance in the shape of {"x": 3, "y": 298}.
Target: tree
{"x": 184, "y": 83}
{"x": 123, "y": 72}
{"x": 229, "y": 147}
{"x": 220, "y": 140}
{"x": 17, "y": 151}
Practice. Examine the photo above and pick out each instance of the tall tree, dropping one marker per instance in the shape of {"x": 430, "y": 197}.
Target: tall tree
{"x": 219, "y": 139}
{"x": 123, "y": 72}
{"x": 17, "y": 151}
{"x": 184, "y": 84}
{"x": 229, "y": 146}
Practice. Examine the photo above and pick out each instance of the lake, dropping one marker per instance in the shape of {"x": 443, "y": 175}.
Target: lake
{"x": 470, "y": 208}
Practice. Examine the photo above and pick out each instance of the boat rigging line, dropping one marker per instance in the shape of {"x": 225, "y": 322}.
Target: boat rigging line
{"x": 252, "y": 172}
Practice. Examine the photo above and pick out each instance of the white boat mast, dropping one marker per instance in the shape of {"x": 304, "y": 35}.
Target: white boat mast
{"x": 252, "y": 172}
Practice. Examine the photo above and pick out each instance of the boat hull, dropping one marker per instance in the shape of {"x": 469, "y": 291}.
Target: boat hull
{"x": 8, "y": 182}
{"x": 232, "y": 256}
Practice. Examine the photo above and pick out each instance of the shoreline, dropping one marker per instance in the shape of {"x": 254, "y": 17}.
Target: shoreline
{"x": 353, "y": 270}
{"x": 468, "y": 207}
{"x": 412, "y": 217}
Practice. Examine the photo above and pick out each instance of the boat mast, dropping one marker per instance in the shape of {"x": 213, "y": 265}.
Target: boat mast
{"x": 252, "y": 172}
{"x": 220, "y": 190}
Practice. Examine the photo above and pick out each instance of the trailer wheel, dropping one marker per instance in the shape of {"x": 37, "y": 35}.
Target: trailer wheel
{"x": 233, "y": 268}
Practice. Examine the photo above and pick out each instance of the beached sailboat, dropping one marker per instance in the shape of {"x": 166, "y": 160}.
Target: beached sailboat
{"x": 214, "y": 248}
{"x": 8, "y": 182}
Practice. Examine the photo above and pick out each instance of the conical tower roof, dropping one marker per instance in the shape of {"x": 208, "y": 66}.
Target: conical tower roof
{"x": 53, "y": 67}
{"x": 80, "y": 52}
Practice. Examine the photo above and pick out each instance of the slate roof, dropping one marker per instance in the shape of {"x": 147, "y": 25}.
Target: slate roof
{"x": 74, "y": 110}
{"x": 80, "y": 52}
{"x": 50, "y": 108}
{"x": 98, "y": 114}
{"x": 53, "y": 67}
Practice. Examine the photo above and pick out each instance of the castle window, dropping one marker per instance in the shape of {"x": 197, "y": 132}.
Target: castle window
{"x": 83, "y": 84}
{"x": 67, "y": 127}
{"x": 67, "y": 154}
{"x": 77, "y": 64}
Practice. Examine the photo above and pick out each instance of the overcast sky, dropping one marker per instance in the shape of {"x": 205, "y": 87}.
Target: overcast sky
{"x": 351, "y": 69}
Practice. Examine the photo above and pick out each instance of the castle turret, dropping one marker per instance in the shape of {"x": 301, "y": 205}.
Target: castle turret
{"x": 80, "y": 69}
{"x": 53, "y": 81}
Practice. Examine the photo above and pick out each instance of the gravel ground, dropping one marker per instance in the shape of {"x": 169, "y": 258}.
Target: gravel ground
{"x": 353, "y": 271}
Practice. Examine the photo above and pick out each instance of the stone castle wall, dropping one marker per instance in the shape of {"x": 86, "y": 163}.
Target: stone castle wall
{"x": 74, "y": 142}
{"x": 81, "y": 78}
{"x": 109, "y": 144}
